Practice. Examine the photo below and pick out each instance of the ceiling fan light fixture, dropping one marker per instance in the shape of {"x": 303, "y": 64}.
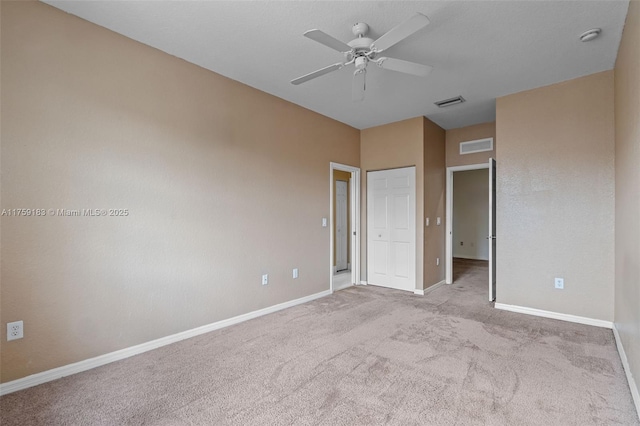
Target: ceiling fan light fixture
{"x": 449, "y": 102}
{"x": 361, "y": 62}
{"x": 590, "y": 35}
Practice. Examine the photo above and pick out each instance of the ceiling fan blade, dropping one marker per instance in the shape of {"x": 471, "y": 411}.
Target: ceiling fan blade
{"x": 404, "y": 66}
{"x": 400, "y": 32}
{"x": 359, "y": 85}
{"x": 327, "y": 40}
{"x": 318, "y": 73}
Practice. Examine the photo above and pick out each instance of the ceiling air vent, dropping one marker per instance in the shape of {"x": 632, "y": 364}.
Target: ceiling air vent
{"x": 479, "y": 145}
{"x": 449, "y": 102}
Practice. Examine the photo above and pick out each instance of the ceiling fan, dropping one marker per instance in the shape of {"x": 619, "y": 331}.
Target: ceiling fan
{"x": 363, "y": 50}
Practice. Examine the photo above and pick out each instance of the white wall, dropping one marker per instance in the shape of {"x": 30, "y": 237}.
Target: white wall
{"x": 471, "y": 214}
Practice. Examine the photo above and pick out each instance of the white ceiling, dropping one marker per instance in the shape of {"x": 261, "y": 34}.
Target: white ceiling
{"x": 479, "y": 49}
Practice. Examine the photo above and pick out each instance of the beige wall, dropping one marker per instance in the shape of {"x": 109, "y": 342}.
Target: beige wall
{"x": 222, "y": 182}
{"x": 345, "y": 176}
{"x": 434, "y": 202}
{"x": 470, "y": 133}
{"x": 555, "y": 197}
{"x": 471, "y": 214}
{"x": 415, "y": 142}
{"x": 627, "y": 241}
{"x": 392, "y": 146}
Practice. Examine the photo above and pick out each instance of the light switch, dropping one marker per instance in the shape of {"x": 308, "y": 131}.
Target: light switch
{"x": 438, "y": 221}
{"x": 324, "y": 222}
{"x": 426, "y": 222}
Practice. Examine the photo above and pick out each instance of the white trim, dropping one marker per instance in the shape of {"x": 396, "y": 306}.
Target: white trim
{"x": 364, "y": 282}
{"x": 633, "y": 386}
{"x": 87, "y": 364}
{"x": 354, "y": 199}
{"x": 449, "y": 216}
{"x": 425, "y": 291}
{"x": 554, "y": 315}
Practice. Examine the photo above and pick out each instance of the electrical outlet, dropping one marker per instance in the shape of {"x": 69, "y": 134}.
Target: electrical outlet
{"x": 15, "y": 330}
{"x": 559, "y": 283}
{"x": 265, "y": 279}
{"x": 295, "y": 273}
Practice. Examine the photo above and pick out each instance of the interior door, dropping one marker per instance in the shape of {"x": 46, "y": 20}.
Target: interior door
{"x": 391, "y": 228}
{"x": 341, "y": 225}
{"x": 492, "y": 229}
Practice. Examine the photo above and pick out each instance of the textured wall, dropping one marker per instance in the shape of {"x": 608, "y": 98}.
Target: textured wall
{"x": 627, "y": 270}
{"x": 222, "y": 183}
{"x": 434, "y": 202}
{"x": 471, "y": 214}
{"x": 470, "y": 133}
{"x": 555, "y": 196}
{"x": 392, "y": 146}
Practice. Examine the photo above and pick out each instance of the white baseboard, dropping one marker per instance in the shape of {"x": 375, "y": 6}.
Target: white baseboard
{"x": 633, "y": 386}
{"x": 87, "y": 364}
{"x": 428, "y": 290}
{"x": 363, "y": 282}
{"x": 554, "y": 315}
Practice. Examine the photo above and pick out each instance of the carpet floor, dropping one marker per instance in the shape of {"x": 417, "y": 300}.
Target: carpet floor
{"x": 362, "y": 356}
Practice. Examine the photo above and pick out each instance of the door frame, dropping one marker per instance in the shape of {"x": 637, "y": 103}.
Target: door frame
{"x": 449, "y": 215}
{"x": 354, "y": 219}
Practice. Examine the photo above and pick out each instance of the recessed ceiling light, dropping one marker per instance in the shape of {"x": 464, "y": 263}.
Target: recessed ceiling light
{"x": 590, "y": 35}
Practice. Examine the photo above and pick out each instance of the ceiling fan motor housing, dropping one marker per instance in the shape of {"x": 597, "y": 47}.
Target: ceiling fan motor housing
{"x": 361, "y": 50}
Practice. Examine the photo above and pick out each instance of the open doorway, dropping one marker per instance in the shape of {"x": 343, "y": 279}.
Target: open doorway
{"x": 470, "y": 242}
{"x": 345, "y": 224}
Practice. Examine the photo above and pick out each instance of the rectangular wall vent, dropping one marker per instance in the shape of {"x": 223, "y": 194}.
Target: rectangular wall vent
{"x": 449, "y": 102}
{"x": 479, "y": 145}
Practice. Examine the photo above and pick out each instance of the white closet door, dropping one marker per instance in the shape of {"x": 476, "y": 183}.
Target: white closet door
{"x": 391, "y": 228}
